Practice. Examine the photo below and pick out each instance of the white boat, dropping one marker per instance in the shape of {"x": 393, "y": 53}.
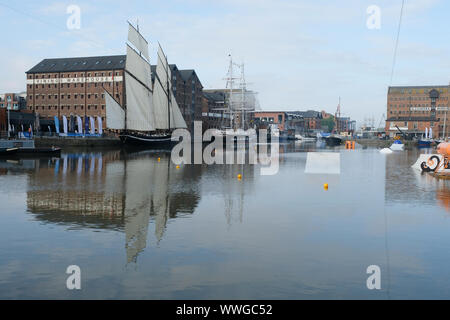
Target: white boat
{"x": 299, "y": 137}
{"x": 397, "y": 146}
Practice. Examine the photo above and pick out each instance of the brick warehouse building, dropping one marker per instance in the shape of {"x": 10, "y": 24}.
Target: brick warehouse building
{"x": 414, "y": 108}
{"x": 74, "y": 87}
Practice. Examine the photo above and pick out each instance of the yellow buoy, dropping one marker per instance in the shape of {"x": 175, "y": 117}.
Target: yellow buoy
{"x": 325, "y": 186}
{"x": 239, "y": 176}
{"x": 178, "y": 167}
{"x": 159, "y": 159}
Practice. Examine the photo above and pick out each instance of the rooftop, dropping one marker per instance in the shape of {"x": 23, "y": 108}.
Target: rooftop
{"x": 79, "y": 64}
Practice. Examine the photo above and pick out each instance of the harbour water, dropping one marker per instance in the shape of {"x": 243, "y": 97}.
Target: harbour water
{"x": 138, "y": 227}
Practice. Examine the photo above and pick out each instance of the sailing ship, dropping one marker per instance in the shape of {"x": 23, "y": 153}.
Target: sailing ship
{"x": 150, "y": 113}
{"x": 335, "y": 139}
{"x": 240, "y": 102}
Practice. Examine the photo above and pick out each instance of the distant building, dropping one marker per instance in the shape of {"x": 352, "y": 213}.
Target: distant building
{"x": 214, "y": 111}
{"x": 414, "y": 108}
{"x": 13, "y": 101}
{"x": 268, "y": 118}
{"x": 312, "y": 119}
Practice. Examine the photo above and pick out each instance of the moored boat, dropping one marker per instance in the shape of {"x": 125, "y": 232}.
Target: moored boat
{"x": 150, "y": 112}
{"x": 8, "y": 151}
{"x": 333, "y": 140}
{"x": 397, "y": 145}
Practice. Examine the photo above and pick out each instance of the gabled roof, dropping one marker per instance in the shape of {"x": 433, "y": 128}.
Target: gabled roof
{"x": 187, "y": 74}
{"x": 79, "y": 64}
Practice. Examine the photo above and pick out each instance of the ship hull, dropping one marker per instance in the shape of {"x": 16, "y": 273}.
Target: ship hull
{"x": 333, "y": 141}
{"x": 148, "y": 142}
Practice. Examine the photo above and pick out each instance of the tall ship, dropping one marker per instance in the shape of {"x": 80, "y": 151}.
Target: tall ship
{"x": 335, "y": 139}
{"x": 241, "y": 102}
{"x": 150, "y": 112}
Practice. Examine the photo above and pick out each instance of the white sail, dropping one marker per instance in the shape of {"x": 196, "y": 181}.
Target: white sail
{"x": 138, "y": 67}
{"x": 138, "y": 41}
{"x": 115, "y": 115}
{"x": 162, "y": 70}
{"x": 160, "y": 105}
{"x": 161, "y": 92}
{"x": 177, "y": 120}
{"x": 139, "y": 106}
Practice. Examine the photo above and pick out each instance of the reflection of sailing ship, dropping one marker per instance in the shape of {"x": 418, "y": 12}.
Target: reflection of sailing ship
{"x": 98, "y": 191}
{"x": 149, "y": 115}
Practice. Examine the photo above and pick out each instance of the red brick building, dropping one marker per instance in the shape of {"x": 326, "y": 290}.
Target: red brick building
{"x": 75, "y": 86}
{"x": 415, "y": 108}
{"x": 13, "y": 101}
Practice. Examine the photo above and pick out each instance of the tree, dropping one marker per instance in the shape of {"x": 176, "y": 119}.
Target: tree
{"x": 328, "y": 123}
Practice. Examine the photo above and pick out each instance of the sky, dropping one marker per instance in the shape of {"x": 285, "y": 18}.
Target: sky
{"x": 298, "y": 55}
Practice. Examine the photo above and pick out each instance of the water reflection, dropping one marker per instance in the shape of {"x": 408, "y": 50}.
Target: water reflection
{"x": 128, "y": 192}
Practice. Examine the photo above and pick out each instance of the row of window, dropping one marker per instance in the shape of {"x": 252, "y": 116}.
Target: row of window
{"x": 419, "y": 91}
{"x": 55, "y": 75}
{"x": 416, "y": 111}
{"x": 68, "y": 85}
{"x": 416, "y": 98}
{"x": 67, "y": 107}
{"x": 414, "y": 105}
{"x": 75, "y": 96}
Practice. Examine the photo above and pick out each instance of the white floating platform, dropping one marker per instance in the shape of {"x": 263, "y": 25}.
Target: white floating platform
{"x": 323, "y": 163}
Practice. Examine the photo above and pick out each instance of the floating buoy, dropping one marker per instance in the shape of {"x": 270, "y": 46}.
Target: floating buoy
{"x": 239, "y": 176}
{"x": 159, "y": 159}
{"x": 325, "y": 186}
{"x": 178, "y": 167}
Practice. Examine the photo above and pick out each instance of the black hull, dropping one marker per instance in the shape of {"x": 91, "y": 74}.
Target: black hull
{"x": 147, "y": 142}
{"x": 21, "y": 153}
{"x": 8, "y": 152}
{"x": 333, "y": 141}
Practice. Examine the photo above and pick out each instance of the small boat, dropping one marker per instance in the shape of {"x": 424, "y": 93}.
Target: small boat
{"x": 333, "y": 140}
{"x": 8, "y": 151}
{"x": 424, "y": 143}
{"x": 299, "y": 137}
{"x": 397, "y": 146}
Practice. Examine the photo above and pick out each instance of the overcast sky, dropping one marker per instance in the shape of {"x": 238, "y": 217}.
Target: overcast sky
{"x": 298, "y": 55}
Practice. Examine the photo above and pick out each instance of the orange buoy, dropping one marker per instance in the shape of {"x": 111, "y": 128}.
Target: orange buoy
{"x": 444, "y": 149}
{"x": 239, "y": 176}
{"x": 178, "y": 167}
{"x": 159, "y": 159}
{"x": 325, "y": 186}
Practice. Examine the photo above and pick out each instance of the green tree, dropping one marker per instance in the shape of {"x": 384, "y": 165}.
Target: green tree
{"x": 328, "y": 123}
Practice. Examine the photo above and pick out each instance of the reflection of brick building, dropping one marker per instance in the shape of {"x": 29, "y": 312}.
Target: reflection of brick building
{"x": 415, "y": 108}
{"x": 75, "y": 86}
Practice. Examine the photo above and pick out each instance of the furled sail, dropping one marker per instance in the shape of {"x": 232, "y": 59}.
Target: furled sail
{"x": 115, "y": 115}
{"x": 138, "y": 41}
{"x": 139, "y": 105}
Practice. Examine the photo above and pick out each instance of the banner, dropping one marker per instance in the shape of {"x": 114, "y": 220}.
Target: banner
{"x": 100, "y": 126}
{"x": 57, "y": 124}
{"x": 86, "y": 125}
{"x": 92, "y": 125}
{"x": 65, "y": 124}
{"x": 79, "y": 125}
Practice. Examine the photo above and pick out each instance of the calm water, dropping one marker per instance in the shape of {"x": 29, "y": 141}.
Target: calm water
{"x": 139, "y": 228}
